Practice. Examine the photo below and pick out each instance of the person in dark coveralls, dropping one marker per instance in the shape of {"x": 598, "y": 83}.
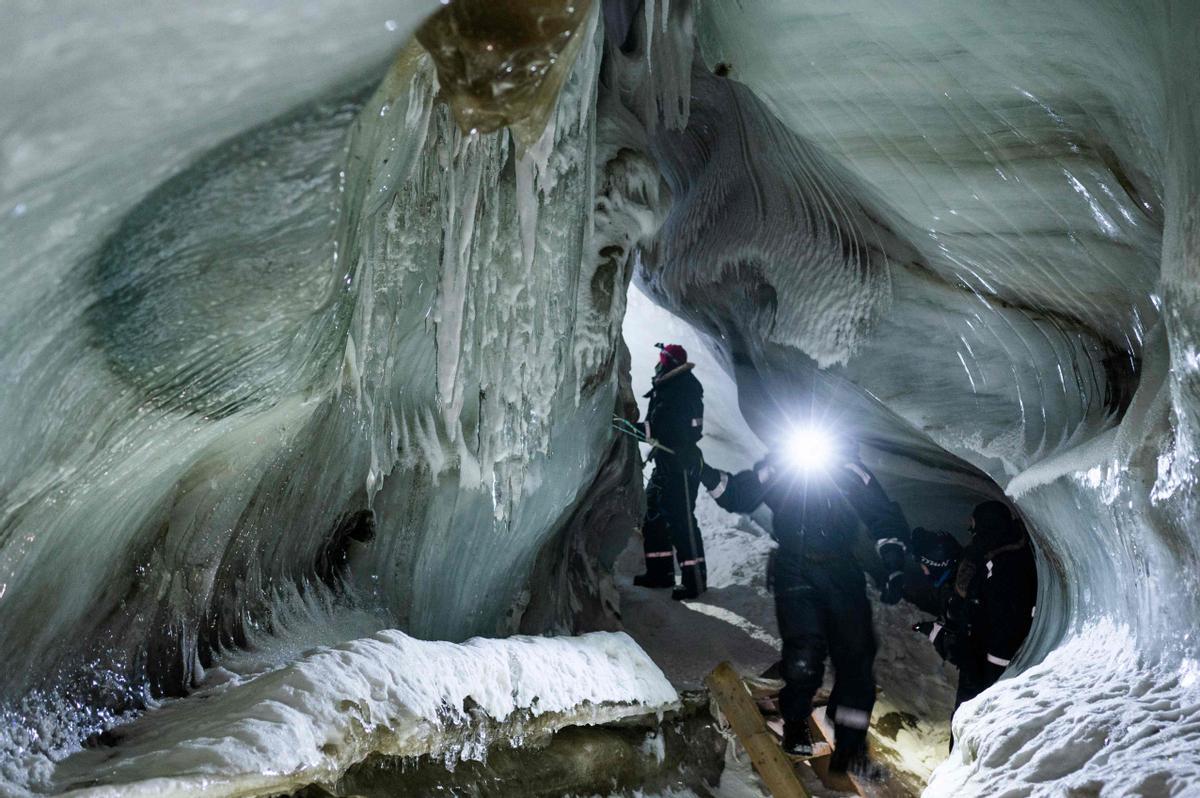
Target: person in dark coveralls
{"x": 938, "y": 553}
{"x": 986, "y": 592}
{"x": 819, "y": 491}
{"x": 997, "y": 579}
{"x": 673, "y": 426}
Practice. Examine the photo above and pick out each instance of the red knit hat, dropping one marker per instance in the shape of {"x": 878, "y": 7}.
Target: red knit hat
{"x": 672, "y": 356}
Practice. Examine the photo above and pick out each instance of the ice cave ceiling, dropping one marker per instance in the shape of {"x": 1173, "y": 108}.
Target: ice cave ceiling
{"x": 312, "y": 321}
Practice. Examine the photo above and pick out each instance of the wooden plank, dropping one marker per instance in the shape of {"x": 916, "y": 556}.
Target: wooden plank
{"x": 772, "y": 764}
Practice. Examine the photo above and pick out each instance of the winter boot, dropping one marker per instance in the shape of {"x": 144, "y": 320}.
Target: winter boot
{"x": 654, "y": 580}
{"x": 850, "y": 757}
{"x": 797, "y": 740}
{"x": 693, "y": 580}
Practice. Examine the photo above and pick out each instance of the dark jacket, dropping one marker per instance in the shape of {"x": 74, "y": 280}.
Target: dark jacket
{"x": 997, "y": 579}
{"x": 816, "y": 514}
{"x": 675, "y": 418}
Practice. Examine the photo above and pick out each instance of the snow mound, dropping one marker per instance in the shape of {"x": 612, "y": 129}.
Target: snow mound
{"x": 1096, "y": 717}
{"x": 735, "y": 546}
{"x": 389, "y": 694}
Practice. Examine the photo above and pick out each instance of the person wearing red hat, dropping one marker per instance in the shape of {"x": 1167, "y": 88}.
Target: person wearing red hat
{"x": 674, "y": 424}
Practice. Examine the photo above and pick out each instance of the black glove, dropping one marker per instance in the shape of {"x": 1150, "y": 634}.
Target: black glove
{"x": 924, "y": 627}
{"x": 948, "y": 645}
{"x": 892, "y": 552}
{"x": 893, "y": 589}
{"x": 709, "y": 476}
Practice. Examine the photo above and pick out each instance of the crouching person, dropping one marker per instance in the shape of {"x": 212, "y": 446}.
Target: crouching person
{"x": 820, "y": 594}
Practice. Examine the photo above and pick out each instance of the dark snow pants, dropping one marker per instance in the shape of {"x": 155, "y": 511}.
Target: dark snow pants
{"x": 974, "y": 676}
{"x": 670, "y": 531}
{"x": 823, "y": 610}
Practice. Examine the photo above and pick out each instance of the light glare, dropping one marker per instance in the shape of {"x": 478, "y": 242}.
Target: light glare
{"x": 810, "y": 448}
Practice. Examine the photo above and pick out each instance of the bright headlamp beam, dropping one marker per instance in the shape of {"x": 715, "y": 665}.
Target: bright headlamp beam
{"x": 810, "y": 448}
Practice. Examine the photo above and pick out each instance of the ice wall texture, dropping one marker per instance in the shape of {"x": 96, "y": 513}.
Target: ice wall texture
{"x": 259, "y": 344}
{"x": 1012, "y": 192}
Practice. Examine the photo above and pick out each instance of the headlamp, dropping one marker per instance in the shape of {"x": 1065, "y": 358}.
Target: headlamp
{"x": 810, "y": 448}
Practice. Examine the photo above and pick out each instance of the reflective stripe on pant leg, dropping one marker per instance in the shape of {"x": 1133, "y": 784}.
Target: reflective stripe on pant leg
{"x": 685, "y": 563}
{"x": 852, "y": 718}
{"x": 651, "y": 554}
{"x": 1003, "y": 663}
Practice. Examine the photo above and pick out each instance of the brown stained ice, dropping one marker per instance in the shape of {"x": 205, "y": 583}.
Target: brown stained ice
{"x": 503, "y": 62}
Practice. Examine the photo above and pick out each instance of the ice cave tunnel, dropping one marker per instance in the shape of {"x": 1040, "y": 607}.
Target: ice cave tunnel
{"x": 316, "y": 316}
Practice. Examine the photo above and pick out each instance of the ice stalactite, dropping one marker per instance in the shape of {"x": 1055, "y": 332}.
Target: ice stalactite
{"x": 356, "y": 358}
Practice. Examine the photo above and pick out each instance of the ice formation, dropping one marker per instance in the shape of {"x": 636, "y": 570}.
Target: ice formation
{"x": 387, "y": 694}
{"x": 278, "y": 329}
{"x": 326, "y": 348}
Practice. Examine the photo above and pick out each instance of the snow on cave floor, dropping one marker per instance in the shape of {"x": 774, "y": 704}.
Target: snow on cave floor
{"x": 735, "y": 621}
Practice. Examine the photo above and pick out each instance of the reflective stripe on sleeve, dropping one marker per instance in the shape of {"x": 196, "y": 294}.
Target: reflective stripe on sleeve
{"x": 863, "y": 475}
{"x": 992, "y": 658}
{"x": 721, "y": 486}
{"x": 890, "y": 542}
{"x": 854, "y": 718}
{"x": 937, "y": 629}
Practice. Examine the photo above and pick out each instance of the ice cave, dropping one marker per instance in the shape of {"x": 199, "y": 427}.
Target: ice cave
{"x": 320, "y": 322}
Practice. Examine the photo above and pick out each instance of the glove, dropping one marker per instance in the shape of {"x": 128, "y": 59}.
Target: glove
{"x": 709, "y": 476}
{"x": 891, "y": 552}
{"x": 948, "y": 645}
{"x": 924, "y": 627}
{"x": 766, "y": 467}
{"x": 893, "y": 589}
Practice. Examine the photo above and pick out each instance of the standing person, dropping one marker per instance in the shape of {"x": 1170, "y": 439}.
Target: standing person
{"x": 674, "y": 424}
{"x": 938, "y": 554}
{"x": 818, "y": 494}
{"x": 997, "y": 580}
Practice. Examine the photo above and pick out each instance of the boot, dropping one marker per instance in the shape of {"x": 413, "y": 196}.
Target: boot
{"x": 850, "y": 757}
{"x": 683, "y": 593}
{"x": 653, "y": 580}
{"x": 693, "y": 582}
{"x": 797, "y": 739}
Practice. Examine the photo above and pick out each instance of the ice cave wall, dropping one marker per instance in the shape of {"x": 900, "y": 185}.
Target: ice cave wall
{"x": 351, "y": 357}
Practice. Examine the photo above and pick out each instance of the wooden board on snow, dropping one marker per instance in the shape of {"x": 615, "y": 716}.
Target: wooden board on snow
{"x": 774, "y": 766}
